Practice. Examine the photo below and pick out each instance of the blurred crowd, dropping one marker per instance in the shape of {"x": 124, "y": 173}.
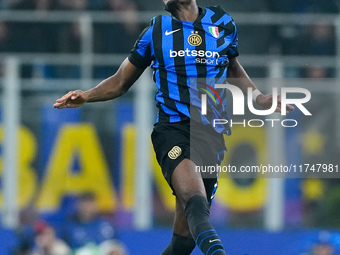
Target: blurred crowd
{"x": 80, "y": 5}
{"x": 84, "y": 231}
{"x": 65, "y": 37}
{"x": 310, "y": 6}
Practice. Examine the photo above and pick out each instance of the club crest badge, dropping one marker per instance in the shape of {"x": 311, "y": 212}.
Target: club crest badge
{"x": 175, "y": 152}
{"x": 195, "y": 39}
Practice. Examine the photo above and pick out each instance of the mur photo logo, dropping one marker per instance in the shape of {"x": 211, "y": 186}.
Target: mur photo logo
{"x": 240, "y": 100}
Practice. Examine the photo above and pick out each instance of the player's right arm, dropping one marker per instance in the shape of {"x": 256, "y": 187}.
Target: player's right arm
{"x": 110, "y": 88}
{"x": 118, "y": 84}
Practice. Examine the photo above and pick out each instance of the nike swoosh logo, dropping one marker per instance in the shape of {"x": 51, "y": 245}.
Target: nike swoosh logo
{"x": 171, "y": 32}
{"x": 215, "y": 240}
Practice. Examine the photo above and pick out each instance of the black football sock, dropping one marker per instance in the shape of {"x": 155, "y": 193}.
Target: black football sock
{"x": 180, "y": 245}
{"x": 204, "y": 234}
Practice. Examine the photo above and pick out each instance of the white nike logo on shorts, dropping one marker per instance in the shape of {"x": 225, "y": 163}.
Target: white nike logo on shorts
{"x": 215, "y": 240}
{"x": 171, "y": 32}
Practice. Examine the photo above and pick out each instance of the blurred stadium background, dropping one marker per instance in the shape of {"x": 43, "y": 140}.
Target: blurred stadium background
{"x": 48, "y": 158}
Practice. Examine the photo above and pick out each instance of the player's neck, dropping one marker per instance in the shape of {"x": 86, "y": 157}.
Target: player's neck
{"x": 186, "y": 12}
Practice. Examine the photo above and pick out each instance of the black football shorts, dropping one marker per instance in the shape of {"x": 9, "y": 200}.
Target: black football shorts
{"x": 172, "y": 144}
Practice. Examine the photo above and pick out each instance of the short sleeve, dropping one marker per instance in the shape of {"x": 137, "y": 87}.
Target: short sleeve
{"x": 140, "y": 55}
{"x": 233, "y": 48}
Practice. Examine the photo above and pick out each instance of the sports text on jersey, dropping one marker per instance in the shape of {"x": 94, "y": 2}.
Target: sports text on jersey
{"x": 194, "y": 53}
{"x": 204, "y": 57}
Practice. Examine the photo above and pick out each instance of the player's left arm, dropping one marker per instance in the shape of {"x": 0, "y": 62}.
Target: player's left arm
{"x": 241, "y": 79}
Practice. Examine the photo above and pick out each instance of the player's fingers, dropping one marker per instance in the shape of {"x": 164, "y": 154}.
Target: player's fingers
{"x": 56, "y": 105}
{"x": 270, "y": 98}
{"x": 75, "y": 95}
{"x": 65, "y": 97}
{"x": 290, "y": 107}
{"x": 59, "y": 105}
{"x": 60, "y": 100}
{"x": 68, "y": 95}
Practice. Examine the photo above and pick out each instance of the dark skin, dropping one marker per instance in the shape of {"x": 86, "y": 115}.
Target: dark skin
{"x": 183, "y": 183}
{"x": 185, "y": 10}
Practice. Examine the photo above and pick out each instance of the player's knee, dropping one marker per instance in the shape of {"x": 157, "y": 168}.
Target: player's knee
{"x": 186, "y": 195}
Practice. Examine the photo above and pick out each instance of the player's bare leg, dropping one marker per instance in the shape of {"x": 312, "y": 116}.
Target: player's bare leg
{"x": 181, "y": 226}
{"x": 182, "y": 242}
{"x": 190, "y": 192}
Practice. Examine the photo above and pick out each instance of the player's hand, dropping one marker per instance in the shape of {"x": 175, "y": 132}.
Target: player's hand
{"x": 72, "y": 99}
{"x": 266, "y": 102}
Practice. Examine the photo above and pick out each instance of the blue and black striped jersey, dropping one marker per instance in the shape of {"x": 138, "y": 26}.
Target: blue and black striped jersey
{"x": 181, "y": 52}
